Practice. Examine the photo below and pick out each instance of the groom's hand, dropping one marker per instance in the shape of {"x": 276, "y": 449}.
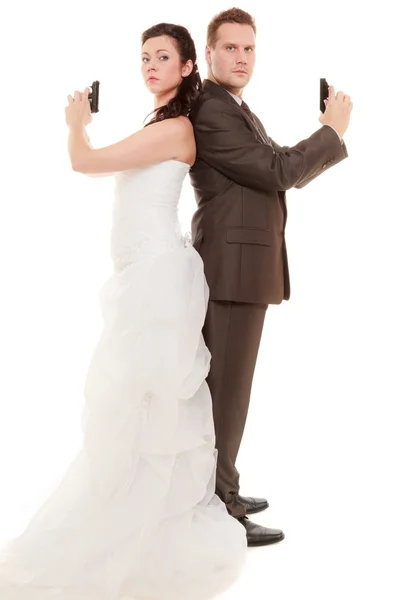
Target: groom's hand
{"x": 338, "y": 110}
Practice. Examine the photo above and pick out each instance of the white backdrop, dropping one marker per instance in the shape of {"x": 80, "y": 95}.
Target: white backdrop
{"x": 322, "y": 437}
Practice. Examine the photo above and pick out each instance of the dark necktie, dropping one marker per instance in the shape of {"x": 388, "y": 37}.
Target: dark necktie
{"x": 247, "y": 110}
{"x": 264, "y": 136}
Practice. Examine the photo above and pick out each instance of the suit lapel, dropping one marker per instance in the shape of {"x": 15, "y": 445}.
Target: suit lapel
{"x": 263, "y": 132}
{"x": 259, "y": 129}
{"x": 216, "y": 90}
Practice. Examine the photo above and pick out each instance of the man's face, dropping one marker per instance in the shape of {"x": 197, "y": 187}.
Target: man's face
{"x": 232, "y": 61}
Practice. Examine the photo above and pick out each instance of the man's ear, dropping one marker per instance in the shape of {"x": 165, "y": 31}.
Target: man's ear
{"x": 207, "y": 55}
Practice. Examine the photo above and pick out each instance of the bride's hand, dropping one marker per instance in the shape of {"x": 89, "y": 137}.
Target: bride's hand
{"x": 78, "y": 110}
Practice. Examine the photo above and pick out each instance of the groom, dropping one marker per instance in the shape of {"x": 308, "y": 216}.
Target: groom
{"x": 240, "y": 178}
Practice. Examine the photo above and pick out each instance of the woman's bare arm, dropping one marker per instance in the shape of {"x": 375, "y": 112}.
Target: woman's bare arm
{"x": 95, "y": 174}
{"x": 158, "y": 142}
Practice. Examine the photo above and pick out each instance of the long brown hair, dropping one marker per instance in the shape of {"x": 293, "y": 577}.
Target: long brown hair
{"x": 189, "y": 90}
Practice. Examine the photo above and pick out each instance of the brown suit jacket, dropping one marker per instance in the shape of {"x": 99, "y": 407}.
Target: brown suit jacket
{"x": 240, "y": 178}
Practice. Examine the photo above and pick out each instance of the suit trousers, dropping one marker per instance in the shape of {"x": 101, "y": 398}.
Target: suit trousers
{"x": 232, "y": 332}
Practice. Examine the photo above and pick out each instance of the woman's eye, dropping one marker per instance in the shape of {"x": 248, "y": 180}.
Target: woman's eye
{"x": 166, "y": 57}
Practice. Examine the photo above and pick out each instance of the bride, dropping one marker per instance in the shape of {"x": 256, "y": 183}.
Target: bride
{"x": 135, "y": 516}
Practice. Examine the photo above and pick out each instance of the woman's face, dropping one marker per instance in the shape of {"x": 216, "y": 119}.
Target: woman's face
{"x": 162, "y": 67}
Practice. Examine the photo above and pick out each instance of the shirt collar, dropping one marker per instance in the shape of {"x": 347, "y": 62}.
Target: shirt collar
{"x": 238, "y": 100}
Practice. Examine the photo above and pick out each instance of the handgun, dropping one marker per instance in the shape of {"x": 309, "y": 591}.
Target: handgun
{"x": 94, "y": 97}
{"x": 323, "y": 94}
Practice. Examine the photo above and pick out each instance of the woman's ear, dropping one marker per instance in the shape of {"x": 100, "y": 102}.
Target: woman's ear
{"x": 187, "y": 69}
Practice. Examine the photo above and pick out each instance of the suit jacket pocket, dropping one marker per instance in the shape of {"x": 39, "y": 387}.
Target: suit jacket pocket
{"x": 248, "y": 235}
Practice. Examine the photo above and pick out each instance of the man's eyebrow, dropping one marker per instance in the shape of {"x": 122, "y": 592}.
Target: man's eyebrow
{"x": 232, "y": 44}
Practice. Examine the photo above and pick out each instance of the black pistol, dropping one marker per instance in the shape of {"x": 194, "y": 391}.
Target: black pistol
{"x": 94, "y": 97}
{"x": 323, "y": 94}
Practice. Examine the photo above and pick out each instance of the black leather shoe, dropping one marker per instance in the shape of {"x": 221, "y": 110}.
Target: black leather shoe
{"x": 257, "y": 535}
{"x": 253, "y": 505}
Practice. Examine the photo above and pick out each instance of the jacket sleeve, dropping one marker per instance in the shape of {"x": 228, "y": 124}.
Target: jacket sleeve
{"x": 225, "y": 142}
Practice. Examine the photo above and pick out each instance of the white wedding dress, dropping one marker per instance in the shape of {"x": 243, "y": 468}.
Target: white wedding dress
{"x": 135, "y": 516}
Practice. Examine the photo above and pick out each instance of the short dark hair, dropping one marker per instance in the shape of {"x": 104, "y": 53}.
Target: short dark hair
{"x": 232, "y": 15}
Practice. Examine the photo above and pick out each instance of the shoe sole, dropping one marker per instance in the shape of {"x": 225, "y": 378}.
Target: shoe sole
{"x": 266, "y": 543}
